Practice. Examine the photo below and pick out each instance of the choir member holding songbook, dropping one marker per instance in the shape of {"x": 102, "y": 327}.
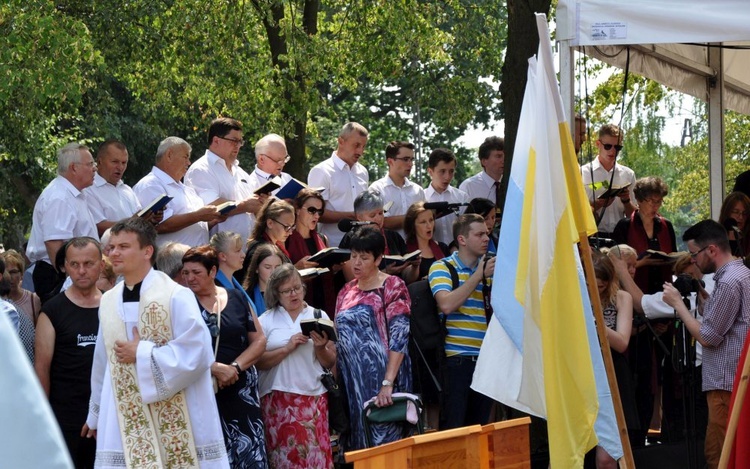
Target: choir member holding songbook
{"x": 305, "y": 241}
{"x": 293, "y": 398}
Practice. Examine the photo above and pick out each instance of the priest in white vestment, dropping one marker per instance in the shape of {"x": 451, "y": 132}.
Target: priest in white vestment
{"x": 154, "y": 344}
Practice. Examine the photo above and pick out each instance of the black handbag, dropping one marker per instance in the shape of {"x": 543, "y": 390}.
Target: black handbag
{"x": 338, "y": 409}
{"x": 338, "y": 413}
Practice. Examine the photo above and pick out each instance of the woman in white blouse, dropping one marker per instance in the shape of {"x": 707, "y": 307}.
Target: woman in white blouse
{"x": 293, "y": 399}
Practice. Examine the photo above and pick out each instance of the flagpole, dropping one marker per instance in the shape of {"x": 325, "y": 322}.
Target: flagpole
{"x": 627, "y": 461}
{"x": 734, "y": 418}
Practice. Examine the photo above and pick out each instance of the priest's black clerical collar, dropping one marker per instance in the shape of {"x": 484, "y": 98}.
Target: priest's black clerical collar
{"x": 132, "y": 295}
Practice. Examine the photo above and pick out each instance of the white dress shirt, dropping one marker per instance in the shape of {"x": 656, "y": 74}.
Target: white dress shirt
{"x": 444, "y": 225}
{"x": 480, "y": 185}
{"x": 60, "y": 213}
{"x": 595, "y": 172}
{"x": 299, "y": 372}
{"x": 259, "y": 177}
{"x": 342, "y": 185}
{"x": 211, "y": 179}
{"x": 110, "y": 203}
{"x": 185, "y": 200}
{"x": 402, "y": 197}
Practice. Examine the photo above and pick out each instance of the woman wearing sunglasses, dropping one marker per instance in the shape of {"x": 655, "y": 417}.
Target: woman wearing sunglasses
{"x": 274, "y": 224}
{"x": 305, "y": 241}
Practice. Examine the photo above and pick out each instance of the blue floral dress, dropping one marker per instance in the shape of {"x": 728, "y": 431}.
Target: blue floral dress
{"x": 369, "y": 324}
{"x": 239, "y": 404}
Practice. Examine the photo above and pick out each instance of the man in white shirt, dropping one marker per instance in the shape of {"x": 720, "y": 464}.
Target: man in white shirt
{"x": 486, "y": 183}
{"x": 604, "y": 172}
{"x": 109, "y": 199}
{"x": 343, "y": 179}
{"x": 395, "y": 187}
{"x": 186, "y": 217}
{"x": 218, "y": 178}
{"x": 441, "y": 167}
{"x": 270, "y": 157}
{"x": 61, "y": 213}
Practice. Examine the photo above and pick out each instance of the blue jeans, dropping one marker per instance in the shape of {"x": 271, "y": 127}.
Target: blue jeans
{"x": 462, "y": 406}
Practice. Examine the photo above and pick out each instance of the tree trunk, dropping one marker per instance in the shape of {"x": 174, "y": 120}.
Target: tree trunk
{"x": 523, "y": 42}
{"x": 295, "y": 137}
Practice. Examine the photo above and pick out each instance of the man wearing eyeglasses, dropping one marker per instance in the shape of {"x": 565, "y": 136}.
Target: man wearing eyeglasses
{"x": 270, "y": 158}
{"x": 217, "y": 177}
{"x": 61, "y": 213}
{"x": 726, "y": 322}
{"x": 396, "y": 189}
{"x": 603, "y": 173}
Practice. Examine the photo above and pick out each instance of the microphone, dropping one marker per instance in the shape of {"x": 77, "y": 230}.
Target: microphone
{"x": 443, "y": 206}
{"x": 346, "y": 224}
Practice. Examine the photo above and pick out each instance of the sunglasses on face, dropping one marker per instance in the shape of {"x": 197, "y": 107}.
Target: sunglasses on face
{"x": 313, "y": 211}
{"x": 608, "y": 146}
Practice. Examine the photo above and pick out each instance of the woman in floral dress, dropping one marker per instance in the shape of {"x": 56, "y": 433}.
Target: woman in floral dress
{"x": 372, "y": 322}
{"x": 293, "y": 399}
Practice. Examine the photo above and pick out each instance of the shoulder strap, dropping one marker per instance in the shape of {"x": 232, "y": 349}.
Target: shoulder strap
{"x": 454, "y": 273}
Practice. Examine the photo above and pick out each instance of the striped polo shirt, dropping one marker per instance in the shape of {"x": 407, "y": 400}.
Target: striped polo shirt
{"x": 467, "y": 326}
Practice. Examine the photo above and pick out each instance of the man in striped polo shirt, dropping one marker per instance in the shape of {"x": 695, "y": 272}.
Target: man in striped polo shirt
{"x": 466, "y": 320}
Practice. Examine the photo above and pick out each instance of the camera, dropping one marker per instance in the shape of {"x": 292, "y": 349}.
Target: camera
{"x": 686, "y": 284}
{"x": 597, "y": 242}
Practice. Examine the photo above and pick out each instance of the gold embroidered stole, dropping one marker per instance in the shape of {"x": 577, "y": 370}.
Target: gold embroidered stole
{"x": 157, "y": 435}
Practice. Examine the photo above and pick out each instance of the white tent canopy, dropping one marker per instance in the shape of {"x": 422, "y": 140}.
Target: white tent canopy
{"x": 674, "y": 42}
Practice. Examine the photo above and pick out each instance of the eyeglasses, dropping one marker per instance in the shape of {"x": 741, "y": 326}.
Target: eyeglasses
{"x": 291, "y": 291}
{"x": 236, "y": 142}
{"x": 212, "y": 324}
{"x": 90, "y": 164}
{"x": 738, "y": 213}
{"x": 288, "y": 228}
{"x": 608, "y": 146}
{"x": 654, "y": 201}
{"x": 284, "y": 161}
{"x": 405, "y": 159}
{"x": 313, "y": 211}
{"x": 693, "y": 255}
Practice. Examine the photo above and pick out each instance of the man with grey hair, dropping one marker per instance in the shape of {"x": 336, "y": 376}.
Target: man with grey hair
{"x": 270, "y": 158}
{"x": 169, "y": 260}
{"x": 217, "y": 177}
{"x": 351, "y": 178}
{"x": 61, "y": 213}
{"x": 186, "y": 218}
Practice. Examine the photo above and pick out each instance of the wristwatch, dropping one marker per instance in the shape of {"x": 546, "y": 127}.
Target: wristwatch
{"x": 387, "y": 383}
{"x": 237, "y": 367}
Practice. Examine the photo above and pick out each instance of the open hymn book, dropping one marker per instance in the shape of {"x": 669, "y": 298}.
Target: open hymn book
{"x": 319, "y": 325}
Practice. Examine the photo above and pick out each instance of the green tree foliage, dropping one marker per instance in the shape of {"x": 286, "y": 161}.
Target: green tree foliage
{"x": 142, "y": 70}
{"x": 683, "y": 168}
{"x": 46, "y": 64}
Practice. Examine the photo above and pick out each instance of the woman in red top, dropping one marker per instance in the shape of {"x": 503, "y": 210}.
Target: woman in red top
{"x": 305, "y": 241}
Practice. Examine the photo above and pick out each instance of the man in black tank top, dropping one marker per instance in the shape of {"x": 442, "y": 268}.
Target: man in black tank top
{"x": 65, "y": 340}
